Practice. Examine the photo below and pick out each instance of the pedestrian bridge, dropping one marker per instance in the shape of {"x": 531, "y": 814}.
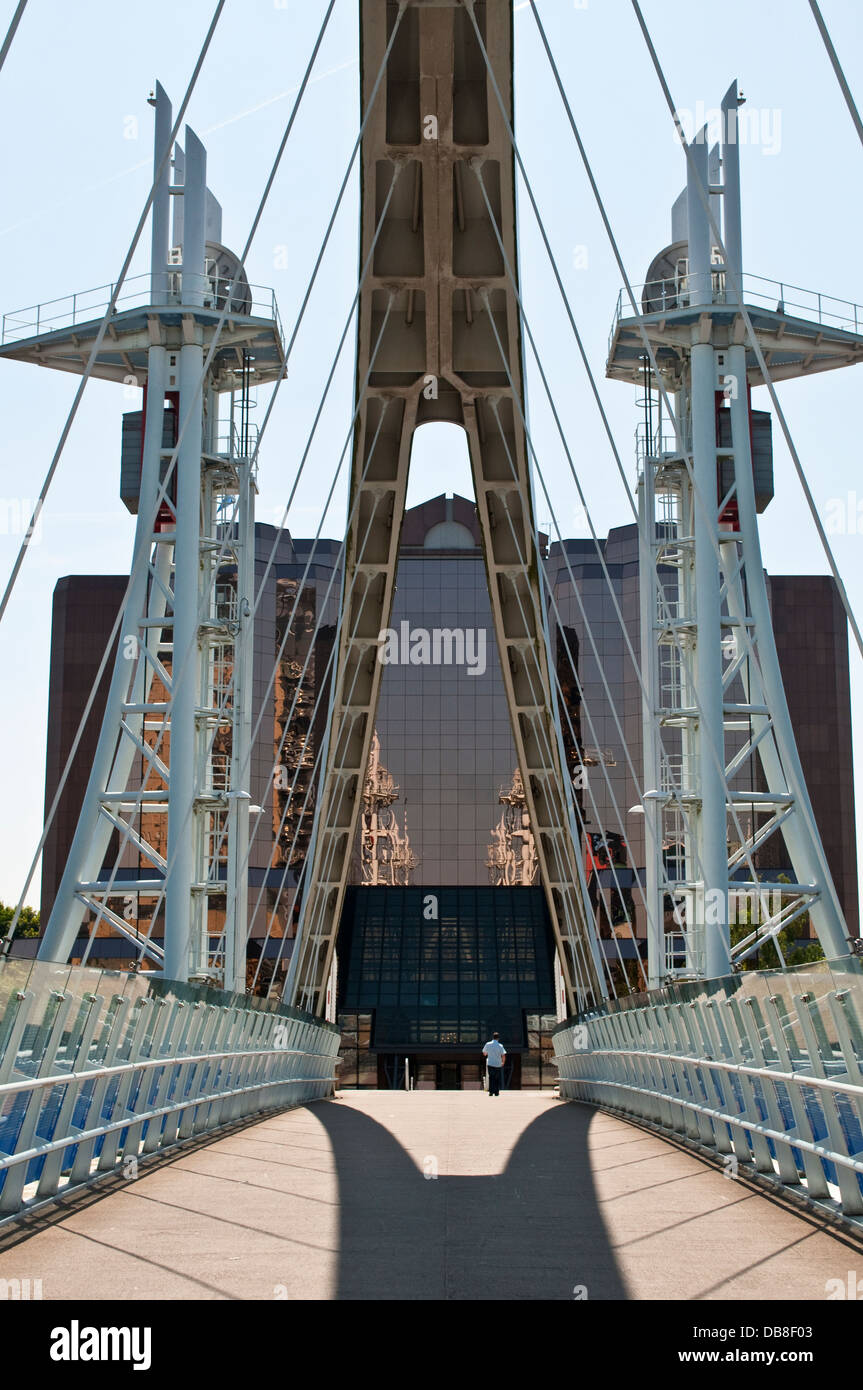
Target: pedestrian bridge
{"x": 173, "y": 1133}
{"x": 160, "y": 1140}
{"x": 429, "y": 1195}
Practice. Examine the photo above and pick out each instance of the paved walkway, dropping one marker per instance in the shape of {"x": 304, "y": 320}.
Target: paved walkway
{"x": 533, "y": 1199}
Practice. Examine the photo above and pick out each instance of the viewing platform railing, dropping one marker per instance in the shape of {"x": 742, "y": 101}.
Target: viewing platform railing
{"x": 675, "y": 292}
{"x": 87, "y": 306}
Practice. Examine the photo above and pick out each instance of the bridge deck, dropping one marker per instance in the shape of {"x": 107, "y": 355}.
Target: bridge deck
{"x": 533, "y": 1197}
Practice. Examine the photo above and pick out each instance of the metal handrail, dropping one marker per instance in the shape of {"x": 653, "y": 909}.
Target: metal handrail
{"x": 757, "y": 289}
{"x": 141, "y": 1118}
{"x": 87, "y": 306}
{"x": 89, "y": 1080}
{"x": 740, "y": 1068}
{"x": 795, "y": 1143}
{"x": 65, "y": 1078}
{"x": 779, "y": 1084}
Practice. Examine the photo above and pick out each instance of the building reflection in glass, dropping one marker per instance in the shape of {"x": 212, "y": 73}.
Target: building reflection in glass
{"x": 512, "y": 853}
{"x": 386, "y": 856}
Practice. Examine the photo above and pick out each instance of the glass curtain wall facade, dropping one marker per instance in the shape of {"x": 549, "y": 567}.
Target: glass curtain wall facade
{"x": 443, "y": 809}
{"x": 436, "y": 971}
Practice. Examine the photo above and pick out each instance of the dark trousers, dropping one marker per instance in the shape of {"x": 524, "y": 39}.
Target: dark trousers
{"x": 494, "y": 1075}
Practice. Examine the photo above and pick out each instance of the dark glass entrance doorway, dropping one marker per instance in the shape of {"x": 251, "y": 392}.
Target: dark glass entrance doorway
{"x": 443, "y": 1074}
{"x": 436, "y": 1073}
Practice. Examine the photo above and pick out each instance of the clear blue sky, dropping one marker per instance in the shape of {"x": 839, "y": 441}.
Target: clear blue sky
{"x": 73, "y": 92}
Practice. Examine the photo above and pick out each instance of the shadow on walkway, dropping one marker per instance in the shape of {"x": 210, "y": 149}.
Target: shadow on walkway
{"x": 531, "y": 1232}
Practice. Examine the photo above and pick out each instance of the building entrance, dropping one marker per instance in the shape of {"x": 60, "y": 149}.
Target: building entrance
{"x": 447, "y": 1076}
{"x": 436, "y": 1073}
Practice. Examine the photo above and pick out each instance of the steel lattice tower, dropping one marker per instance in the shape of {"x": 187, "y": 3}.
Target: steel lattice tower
{"x": 186, "y": 817}
{"x": 714, "y": 699}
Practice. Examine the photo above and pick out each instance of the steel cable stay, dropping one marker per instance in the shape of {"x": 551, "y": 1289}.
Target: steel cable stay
{"x": 162, "y": 493}
{"x": 837, "y": 67}
{"x": 228, "y": 689}
{"x": 319, "y": 622}
{"x": 314, "y": 769}
{"x": 580, "y": 818}
{"x": 594, "y": 537}
{"x": 557, "y": 682}
{"x": 737, "y": 289}
{"x": 10, "y": 32}
{"x": 162, "y": 497}
{"x": 319, "y": 757}
{"x": 189, "y": 655}
{"x": 106, "y": 319}
{"x": 319, "y": 696}
{"x": 804, "y": 809}
{"x": 659, "y": 591}
{"x": 589, "y": 629}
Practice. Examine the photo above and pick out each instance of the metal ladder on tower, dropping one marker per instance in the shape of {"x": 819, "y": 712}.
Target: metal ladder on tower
{"x": 185, "y": 630}
{"x": 704, "y": 597}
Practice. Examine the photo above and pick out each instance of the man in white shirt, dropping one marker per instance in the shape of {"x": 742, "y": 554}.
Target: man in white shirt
{"x": 495, "y": 1053}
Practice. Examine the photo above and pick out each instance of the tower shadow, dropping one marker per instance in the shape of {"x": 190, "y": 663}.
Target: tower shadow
{"x": 533, "y": 1232}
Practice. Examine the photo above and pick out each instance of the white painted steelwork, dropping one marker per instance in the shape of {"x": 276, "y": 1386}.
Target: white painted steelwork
{"x": 715, "y": 706}
{"x": 435, "y": 312}
{"x": 185, "y": 814}
{"x": 99, "y": 1069}
{"x": 761, "y": 1069}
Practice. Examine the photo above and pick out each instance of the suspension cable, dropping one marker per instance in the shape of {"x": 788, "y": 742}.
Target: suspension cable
{"x": 162, "y": 492}
{"x": 583, "y": 500}
{"x": 279, "y": 532}
{"x": 557, "y": 690}
{"x": 731, "y": 274}
{"x": 686, "y": 455}
{"x": 318, "y": 623}
{"x": 609, "y": 432}
{"x": 10, "y": 32}
{"x": 837, "y": 68}
{"x": 106, "y": 318}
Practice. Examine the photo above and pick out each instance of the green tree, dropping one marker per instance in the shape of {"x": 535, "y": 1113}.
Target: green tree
{"x": 28, "y": 922}
{"x": 767, "y": 957}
